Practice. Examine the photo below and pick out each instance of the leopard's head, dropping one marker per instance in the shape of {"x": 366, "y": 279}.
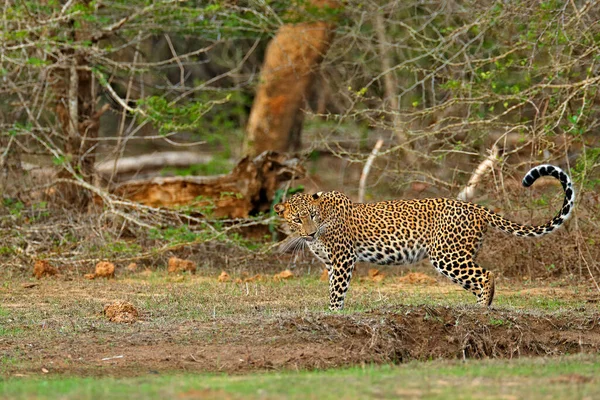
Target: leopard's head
{"x": 303, "y": 214}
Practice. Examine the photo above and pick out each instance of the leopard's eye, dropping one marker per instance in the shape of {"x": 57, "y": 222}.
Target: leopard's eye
{"x": 297, "y": 220}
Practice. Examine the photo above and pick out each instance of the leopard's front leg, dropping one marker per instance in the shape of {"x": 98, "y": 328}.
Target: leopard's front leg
{"x": 340, "y": 272}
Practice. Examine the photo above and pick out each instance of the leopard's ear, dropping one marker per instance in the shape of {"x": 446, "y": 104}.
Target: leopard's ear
{"x": 317, "y": 195}
{"x": 279, "y": 209}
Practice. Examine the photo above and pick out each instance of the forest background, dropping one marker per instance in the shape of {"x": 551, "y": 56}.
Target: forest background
{"x": 438, "y": 88}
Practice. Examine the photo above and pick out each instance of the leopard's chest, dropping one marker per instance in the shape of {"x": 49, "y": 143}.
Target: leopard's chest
{"x": 320, "y": 250}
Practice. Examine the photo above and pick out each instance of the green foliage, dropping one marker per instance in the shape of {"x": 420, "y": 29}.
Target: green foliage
{"x": 34, "y": 212}
{"x": 15, "y": 207}
{"x": 7, "y": 251}
{"x": 168, "y": 117}
{"x": 216, "y": 166}
{"x": 61, "y": 160}
{"x": 541, "y": 201}
{"x": 120, "y": 248}
{"x": 177, "y": 235}
{"x": 587, "y": 168}
{"x": 499, "y": 321}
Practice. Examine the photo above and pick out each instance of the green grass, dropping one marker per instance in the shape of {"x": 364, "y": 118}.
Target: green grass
{"x": 569, "y": 377}
{"x": 366, "y": 296}
{"x": 10, "y": 331}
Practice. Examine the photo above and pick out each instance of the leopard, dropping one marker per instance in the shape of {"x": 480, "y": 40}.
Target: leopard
{"x": 449, "y": 232}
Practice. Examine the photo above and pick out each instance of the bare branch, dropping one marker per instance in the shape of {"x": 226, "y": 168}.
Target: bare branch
{"x": 469, "y": 191}
{"x": 365, "y": 172}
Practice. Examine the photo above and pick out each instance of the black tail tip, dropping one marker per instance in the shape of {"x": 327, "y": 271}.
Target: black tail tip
{"x": 545, "y": 170}
{"x": 528, "y": 180}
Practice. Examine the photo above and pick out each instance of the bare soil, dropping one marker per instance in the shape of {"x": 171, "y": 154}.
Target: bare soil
{"x": 73, "y": 342}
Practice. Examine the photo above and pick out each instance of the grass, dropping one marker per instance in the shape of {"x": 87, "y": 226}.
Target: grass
{"x": 59, "y": 318}
{"x": 573, "y": 377}
{"x": 166, "y": 300}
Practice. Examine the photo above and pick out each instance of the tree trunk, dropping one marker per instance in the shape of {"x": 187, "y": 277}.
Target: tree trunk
{"x": 291, "y": 59}
{"x": 76, "y": 110}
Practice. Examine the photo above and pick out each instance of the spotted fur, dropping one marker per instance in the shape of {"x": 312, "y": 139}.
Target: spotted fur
{"x": 449, "y": 232}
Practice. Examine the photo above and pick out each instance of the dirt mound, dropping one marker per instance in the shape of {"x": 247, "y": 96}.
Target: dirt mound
{"x": 376, "y": 275}
{"x": 43, "y": 268}
{"x": 121, "y": 311}
{"x": 105, "y": 269}
{"x": 422, "y": 333}
{"x": 286, "y": 274}
{"x": 224, "y": 277}
{"x": 416, "y": 278}
{"x": 179, "y": 265}
{"x": 324, "y": 275}
{"x": 325, "y": 340}
{"x": 132, "y": 267}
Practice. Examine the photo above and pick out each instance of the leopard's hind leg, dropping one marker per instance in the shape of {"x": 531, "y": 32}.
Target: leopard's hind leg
{"x": 470, "y": 276}
{"x": 457, "y": 238}
{"x": 485, "y": 296}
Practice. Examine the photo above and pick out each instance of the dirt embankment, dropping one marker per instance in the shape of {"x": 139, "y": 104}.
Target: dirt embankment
{"x": 313, "y": 341}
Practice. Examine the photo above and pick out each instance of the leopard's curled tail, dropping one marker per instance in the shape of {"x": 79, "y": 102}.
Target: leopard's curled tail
{"x": 564, "y": 213}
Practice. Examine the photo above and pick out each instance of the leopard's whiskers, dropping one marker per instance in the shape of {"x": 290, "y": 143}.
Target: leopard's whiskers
{"x": 291, "y": 242}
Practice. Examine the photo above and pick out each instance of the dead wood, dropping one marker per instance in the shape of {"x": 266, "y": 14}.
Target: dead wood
{"x": 127, "y": 167}
{"x": 249, "y": 188}
{"x": 366, "y": 169}
{"x": 469, "y": 191}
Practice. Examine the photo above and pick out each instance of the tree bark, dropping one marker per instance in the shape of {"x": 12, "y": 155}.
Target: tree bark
{"x": 291, "y": 59}
{"x": 76, "y": 110}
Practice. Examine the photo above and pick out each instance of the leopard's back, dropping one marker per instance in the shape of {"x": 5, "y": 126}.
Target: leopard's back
{"x": 403, "y": 231}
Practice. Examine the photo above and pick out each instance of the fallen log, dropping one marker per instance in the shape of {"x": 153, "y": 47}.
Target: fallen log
{"x": 249, "y": 188}
{"x": 141, "y": 166}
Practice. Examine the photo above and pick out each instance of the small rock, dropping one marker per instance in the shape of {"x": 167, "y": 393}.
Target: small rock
{"x": 417, "y": 278}
{"x": 376, "y": 275}
{"x": 254, "y": 278}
